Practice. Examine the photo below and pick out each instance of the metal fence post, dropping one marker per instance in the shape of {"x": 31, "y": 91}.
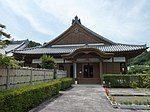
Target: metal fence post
{"x": 7, "y": 78}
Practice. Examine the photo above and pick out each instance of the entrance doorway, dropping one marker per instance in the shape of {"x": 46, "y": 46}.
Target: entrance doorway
{"x": 88, "y": 71}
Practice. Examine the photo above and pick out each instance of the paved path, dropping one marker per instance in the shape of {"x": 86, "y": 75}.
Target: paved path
{"x": 82, "y": 98}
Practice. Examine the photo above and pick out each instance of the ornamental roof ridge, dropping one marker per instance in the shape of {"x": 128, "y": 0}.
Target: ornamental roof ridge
{"x": 76, "y": 20}
{"x": 143, "y": 45}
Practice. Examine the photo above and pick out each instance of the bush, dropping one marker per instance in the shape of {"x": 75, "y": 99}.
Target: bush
{"x": 126, "y": 81}
{"x": 48, "y": 62}
{"x": 66, "y": 83}
{"x": 134, "y": 85}
{"x": 6, "y": 61}
{"x": 25, "y": 98}
{"x": 138, "y": 69}
{"x": 146, "y": 81}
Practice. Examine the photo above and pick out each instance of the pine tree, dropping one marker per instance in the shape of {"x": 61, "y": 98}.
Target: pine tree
{"x": 4, "y": 37}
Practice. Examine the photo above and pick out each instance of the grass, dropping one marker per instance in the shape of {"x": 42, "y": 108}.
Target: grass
{"x": 128, "y": 100}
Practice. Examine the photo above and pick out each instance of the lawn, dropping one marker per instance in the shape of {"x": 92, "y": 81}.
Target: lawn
{"x": 132, "y": 99}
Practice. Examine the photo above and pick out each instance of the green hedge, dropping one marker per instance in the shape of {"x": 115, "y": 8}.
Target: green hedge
{"x": 25, "y": 98}
{"x": 66, "y": 83}
{"x": 126, "y": 80}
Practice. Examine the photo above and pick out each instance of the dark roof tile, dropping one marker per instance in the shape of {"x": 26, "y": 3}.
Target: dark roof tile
{"x": 69, "y": 49}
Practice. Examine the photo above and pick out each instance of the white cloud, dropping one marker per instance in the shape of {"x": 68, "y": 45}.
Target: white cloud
{"x": 21, "y": 8}
{"x": 118, "y": 20}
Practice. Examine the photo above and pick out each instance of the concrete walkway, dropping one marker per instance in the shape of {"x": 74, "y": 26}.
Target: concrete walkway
{"x": 81, "y": 98}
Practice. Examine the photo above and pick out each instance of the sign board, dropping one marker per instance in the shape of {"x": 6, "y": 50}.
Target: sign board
{"x": 36, "y": 61}
{"x": 119, "y": 59}
{"x": 88, "y": 60}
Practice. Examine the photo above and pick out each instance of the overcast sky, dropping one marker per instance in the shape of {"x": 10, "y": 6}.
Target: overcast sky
{"x": 123, "y": 21}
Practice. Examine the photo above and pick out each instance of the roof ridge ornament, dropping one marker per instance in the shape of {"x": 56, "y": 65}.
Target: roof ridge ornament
{"x": 86, "y": 46}
{"x": 76, "y": 19}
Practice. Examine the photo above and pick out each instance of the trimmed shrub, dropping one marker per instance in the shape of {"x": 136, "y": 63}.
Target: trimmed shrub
{"x": 146, "y": 81}
{"x": 126, "y": 81}
{"x": 25, "y": 98}
{"x": 138, "y": 69}
{"x": 66, "y": 83}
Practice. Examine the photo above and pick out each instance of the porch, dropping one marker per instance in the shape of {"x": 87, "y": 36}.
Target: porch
{"x": 87, "y": 67}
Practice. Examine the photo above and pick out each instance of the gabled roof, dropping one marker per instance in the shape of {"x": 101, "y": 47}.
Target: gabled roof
{"x": 14, "y": 45}
{"x": 97, "y": 35}
{"x": 77, "y": 21}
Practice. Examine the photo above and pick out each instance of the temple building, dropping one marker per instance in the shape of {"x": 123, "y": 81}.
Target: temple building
{"x": 14, "y": 45}
{"x": 84, "y": 54}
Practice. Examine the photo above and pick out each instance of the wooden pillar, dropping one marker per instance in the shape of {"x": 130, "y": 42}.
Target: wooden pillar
{"x": 126, "y": 69}
{"x": 101, "y": 71}
{"x": 113, "y": 66}
{"x": 75, "y": 70}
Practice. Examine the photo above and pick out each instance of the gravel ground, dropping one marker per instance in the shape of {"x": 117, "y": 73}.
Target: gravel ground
{"x": 81, "y": 98}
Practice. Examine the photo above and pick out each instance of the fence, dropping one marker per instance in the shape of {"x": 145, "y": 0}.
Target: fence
{"x": 13, "y": 78}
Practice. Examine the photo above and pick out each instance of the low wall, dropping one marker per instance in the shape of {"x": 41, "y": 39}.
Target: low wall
{"x": 13, "y": 78}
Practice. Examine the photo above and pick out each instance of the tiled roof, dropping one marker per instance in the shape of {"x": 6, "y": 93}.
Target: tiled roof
{"x": 15, "y": 45}
{"x": 77, "y": 21}
{"x": 68, "y": 49}
{"x": 97, "y": 35}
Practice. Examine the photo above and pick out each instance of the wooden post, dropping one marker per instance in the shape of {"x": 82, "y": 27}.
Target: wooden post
{"x": 7, "y": 78}
{"x": 101, "y": 72}
{"x": 75, "y": 72}
{"x": 55, "y": 73}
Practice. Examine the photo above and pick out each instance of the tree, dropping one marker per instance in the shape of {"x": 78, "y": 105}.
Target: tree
{"x": 6, "y": 36}
{"x": 33, "y": 44}
{"x": 140, "y": 59}
{"x": 6, "y": 61}
{"x": 48, "y": 62}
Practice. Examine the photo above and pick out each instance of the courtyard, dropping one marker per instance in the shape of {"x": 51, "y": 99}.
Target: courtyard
{"x": 81, "y": 98}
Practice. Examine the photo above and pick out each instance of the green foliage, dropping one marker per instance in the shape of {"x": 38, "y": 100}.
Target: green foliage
{"x": 136, "y": 102}
{"x": 126, "y": 81}
{"x": 134, "y": 85}
{"x": 33, "y": 44}
{"x": 147, "y": 63}
{"x": 146, "y": 81}
{"x": 6, "y": 61}
{"x": 48, "y": 62}
{"x": 25, "y": 98}
{"x": 4, "y": 41}
{"x": 140, "y": 60}
{"x": 66, "y": 83}
{"x": 28, "y": 97}
{"x": 139, "y": 69}
{"x": 126, "y": 103}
